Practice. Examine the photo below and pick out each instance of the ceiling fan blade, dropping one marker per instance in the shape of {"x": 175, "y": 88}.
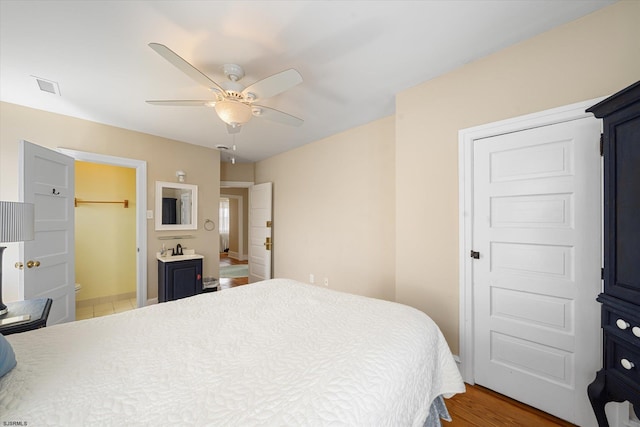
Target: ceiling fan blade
{"x": 276, "y": 115}
{"x": 273, "y": 85}
{"x": 185, "y": 67}
{"x": 185, "y": 103}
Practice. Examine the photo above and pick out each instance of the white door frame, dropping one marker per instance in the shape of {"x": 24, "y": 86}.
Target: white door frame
{"x": 141, "y": 210}
{"x": 236, "y": 184}
{"x": 466, "y": 138}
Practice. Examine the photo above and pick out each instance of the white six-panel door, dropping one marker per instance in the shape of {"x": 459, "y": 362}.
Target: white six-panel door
{"x": 47, "y": 181}
{"x": 260, "y": 213}
{"x": 537, "y": 228}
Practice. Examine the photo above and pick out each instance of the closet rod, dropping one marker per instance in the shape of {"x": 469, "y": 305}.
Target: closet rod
{"x": 76, "y": 202}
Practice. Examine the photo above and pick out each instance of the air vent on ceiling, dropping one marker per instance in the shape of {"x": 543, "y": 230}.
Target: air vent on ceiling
{"x": 47, "y": 85}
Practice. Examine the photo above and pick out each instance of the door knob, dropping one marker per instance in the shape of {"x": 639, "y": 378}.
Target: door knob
{"x": 31, "y": 264}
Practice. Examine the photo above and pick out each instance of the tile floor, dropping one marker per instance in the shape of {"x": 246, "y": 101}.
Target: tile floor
{"x": 104, "y": 309}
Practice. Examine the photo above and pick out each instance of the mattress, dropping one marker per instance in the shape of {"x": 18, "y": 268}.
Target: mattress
{"x": 277, "y": 352}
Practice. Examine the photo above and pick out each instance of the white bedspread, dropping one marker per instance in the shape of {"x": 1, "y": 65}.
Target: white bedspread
{"x": 277, "y": 353}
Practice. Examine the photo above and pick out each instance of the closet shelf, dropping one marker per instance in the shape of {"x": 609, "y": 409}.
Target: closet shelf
{"x": 77, "y": 202}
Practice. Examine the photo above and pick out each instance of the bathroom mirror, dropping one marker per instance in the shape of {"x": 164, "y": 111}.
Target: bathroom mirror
{"x": 176, "y": 206}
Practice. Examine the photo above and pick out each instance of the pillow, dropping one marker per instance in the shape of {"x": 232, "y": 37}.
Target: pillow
{"x": 7, "y": 356}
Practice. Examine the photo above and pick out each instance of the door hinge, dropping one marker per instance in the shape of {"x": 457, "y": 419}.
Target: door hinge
{"x": 475, "y": 255}
{"x": 601, "y": 144}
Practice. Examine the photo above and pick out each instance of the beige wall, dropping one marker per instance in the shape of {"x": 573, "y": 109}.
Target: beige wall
{"x": 240, "y": 172}
{"x": 107, "y": 268}
{"x": 591, "y": 57}
{"x": 163, "y": 157}
{"x": 334, "y": 210}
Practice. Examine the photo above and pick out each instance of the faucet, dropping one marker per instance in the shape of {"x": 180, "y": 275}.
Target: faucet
{"x": 178, "y": 250}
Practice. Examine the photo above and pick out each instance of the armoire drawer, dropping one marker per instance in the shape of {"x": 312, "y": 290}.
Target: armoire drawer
{"x": 623, "y": 358}
{"x": 621, "y": 323}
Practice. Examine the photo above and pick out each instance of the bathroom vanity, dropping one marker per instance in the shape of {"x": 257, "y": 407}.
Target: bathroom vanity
{"x": 179, "y": 276}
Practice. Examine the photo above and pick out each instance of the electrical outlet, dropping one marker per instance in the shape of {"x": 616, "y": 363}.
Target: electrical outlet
{"x": 326, "y": 281}
{"x": 149, "y": 214}
{"x": 311, "y": 278}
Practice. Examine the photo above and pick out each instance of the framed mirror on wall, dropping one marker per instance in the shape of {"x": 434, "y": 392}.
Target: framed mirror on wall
{"x": 176, "y": 206}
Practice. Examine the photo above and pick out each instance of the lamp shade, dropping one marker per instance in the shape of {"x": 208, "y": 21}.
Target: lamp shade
{"x": 233, "y": 112}
{"x": 16, "y": 221}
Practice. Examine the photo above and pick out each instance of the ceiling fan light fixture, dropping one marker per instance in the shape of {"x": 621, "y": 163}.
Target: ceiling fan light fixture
{"x": 233, "y": 101}
{"x": 232, "y": 112}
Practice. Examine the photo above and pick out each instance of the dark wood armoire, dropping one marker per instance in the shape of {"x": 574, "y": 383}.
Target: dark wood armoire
{"x": 619, "y": 378}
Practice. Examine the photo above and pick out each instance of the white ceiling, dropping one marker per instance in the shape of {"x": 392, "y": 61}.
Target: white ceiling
{"x": 354, "y": 57}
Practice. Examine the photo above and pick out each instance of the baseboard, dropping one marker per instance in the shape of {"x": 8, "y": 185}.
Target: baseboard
{"x": 152, "y": 301}
{"x": 237, "y": 256}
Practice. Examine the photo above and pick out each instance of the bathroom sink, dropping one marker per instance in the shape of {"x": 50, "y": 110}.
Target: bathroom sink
{"x": 170, "y": 258}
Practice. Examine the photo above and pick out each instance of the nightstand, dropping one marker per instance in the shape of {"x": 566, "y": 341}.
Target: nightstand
{"x": 37, "y": 309}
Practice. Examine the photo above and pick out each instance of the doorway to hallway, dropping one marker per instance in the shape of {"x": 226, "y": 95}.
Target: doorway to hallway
{"x": 230, "y": 282}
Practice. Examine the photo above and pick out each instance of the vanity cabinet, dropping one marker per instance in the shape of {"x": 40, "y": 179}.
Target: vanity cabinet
{"x": 179, "y": 278}
{"x": 619, "y": 378}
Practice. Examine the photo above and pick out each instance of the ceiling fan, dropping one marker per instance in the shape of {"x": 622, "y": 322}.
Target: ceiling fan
{"x": 234, "y": 103}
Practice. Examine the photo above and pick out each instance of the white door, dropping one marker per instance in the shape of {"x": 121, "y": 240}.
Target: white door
{"x": 47, "y": 181}
{"x": 537, "y": 229}
{"x": 185, "y": 208}
{"x": 260, "y": 243}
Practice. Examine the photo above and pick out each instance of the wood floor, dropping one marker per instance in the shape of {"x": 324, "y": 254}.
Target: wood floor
{"x": 478, "y": 407}
{"x": 482, "y": 407}
{"x": 226, "y": 283}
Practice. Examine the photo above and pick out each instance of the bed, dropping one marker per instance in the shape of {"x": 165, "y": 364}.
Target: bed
{"x": 277, "y": 352}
